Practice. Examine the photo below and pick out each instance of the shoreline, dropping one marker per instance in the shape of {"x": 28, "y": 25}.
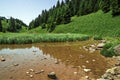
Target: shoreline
{"x": 114, "y": 72}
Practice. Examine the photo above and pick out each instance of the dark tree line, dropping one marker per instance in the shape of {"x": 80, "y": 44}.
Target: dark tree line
{"x": 11, "y": 25}
{"x": 62, "y": 12}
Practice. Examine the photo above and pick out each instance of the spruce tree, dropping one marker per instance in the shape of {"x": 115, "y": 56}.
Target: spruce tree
{"x": 106, "y": 6}
{"x": 0, "y": 25}
{"x": 12, "y": 27}
{"x": 115, "y": 7}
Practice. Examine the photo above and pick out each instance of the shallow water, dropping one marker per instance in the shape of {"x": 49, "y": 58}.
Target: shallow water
{"x": 71, "y": 58}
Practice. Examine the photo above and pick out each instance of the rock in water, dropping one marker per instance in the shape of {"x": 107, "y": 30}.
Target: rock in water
{"x": 31, "y": 76}
{"x": 56, "y": 62}
{"x": 87, "y": 70}
{"x": 52, "y": 75}
{"x": 15, "y": 64}
{"x": 2, "y": 59}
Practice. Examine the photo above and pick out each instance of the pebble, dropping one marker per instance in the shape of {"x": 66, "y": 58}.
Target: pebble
{"x": 56, "y": 62}
{"x": 27, "y": 72}
{"x": 75, "y": 73}
{"x": 92, "y": 46}
{"x": 93, "y": 60}
{"x": 87, "y": 61}
{"x": 83, "y": 66}
{"x": 31, "y": 76}
{"x": 87, "y": 77}
{"x": 87, "y": 70}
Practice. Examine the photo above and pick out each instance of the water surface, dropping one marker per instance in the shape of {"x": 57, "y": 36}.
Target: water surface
{"x": 71, "y": 58}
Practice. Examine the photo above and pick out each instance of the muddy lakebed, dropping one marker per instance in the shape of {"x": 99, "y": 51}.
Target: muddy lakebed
{"x": 69, "y": 61}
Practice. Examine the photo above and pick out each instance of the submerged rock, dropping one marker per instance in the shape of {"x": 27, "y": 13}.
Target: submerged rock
{"x": 87, "y": 61}
{"x": 3, "y": 59}
{"x": 75, "y": 73}
{"x": 31, "y": 70}
{"x": 15, "y": 64}
{"x": 27, "y": 72}
{"x": 52, "y": 75}
{"x": 56, "y": 62}
{"x": 87, "y": 77}
{"x": 38, "y": 72}
{"x": 31, "y": 76}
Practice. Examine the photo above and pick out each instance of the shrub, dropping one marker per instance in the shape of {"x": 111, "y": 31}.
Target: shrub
{"x": 108, "y": 50}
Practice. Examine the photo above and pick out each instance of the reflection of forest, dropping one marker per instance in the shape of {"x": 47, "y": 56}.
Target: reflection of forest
{"x": 73, "y": 55}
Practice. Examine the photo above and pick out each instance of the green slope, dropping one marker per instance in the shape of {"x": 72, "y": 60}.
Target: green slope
{"x": 93, "y": 24}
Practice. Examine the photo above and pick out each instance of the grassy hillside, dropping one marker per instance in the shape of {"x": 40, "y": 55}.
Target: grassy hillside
{"x": 12, "y": 25}
{"x": 92, "y": 24}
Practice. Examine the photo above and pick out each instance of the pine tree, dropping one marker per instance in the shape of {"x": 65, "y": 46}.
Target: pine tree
{"x": 12, "y": 27}
{"x": 106, "y": 6}
{"x": 115, "y": 7}
{"x": 58, "y": 4}
{"x": 66, "y": 15}
{"x": 0, "y": 25}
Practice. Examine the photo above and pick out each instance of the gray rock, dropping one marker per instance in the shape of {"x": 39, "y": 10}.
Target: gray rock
{"x": 52, "y": 75}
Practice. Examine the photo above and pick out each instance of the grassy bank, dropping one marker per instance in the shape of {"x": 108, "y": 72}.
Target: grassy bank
{"x": 24, "y": 38}
{"x": 93, "y": 24}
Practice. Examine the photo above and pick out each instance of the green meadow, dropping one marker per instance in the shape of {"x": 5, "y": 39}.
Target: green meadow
{"x": 25, "y": 38}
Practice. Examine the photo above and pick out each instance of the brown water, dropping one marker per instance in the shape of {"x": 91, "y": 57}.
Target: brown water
{"x": 42, "y": 56}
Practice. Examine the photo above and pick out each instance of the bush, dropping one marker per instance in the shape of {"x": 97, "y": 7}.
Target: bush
{"x": 108, "y": 50}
